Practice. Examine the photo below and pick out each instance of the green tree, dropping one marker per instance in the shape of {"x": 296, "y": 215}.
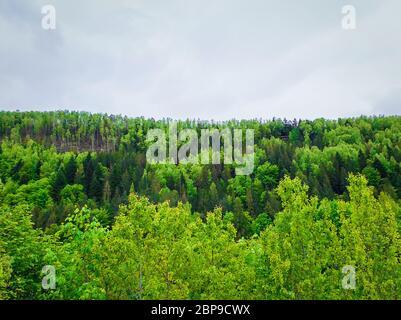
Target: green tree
{"x": 24, "y": 247}
{"x": 59, "y": 183}
{"x": 371, "y": 241}
{"x": 301, "y": 250}
{"x": 5, "y": 273}
{"x": 70, "y": 170}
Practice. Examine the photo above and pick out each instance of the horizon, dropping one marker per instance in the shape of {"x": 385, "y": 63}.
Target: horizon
{"x": 259, "y": 119}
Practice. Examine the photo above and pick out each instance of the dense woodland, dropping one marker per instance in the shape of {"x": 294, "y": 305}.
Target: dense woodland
{"x": 76, "y": 192}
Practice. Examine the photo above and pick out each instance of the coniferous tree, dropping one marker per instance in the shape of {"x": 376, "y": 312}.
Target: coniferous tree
{"x": 97, "y": 184}
{"x": 89, "y": 168}
{"x": 59, "y": 183}
{"x": 70, "y": 170}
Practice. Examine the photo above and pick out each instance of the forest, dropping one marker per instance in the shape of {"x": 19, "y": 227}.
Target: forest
{"x": 77, "y": 193}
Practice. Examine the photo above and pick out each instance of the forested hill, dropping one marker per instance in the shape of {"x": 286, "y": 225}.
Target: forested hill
{"x": 78, "y": 196}
{"x": 80, "y": 158}
{"x": 82, "y": 131}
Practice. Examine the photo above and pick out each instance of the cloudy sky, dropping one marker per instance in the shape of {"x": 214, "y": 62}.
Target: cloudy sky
{"x": 208, "y": 59}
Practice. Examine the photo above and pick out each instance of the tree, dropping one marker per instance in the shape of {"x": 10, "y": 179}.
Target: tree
{"x": 22, "y": 252}
{"x": 221, "y": 269}
{"x": 70, "y": 170}
{"x": 149, "y": 252}
{"x": 260, "y": 223}
{"x": 5, "y": 273}
{"x": 59, "y": 184}
{"x": 73, "y": 194}
{"x": 301, "y": 250}
{"x": 89, "y": 169}
{"x": 371, "y": 241}
{"x": 97, "y": 184}
{"x": 115, "y": 178}
{"x": 372, "y": 175}
{"x": 77, "y": 259}
{"x": 268, "y": 173}
{"x": 213, "y": 196}
{"x": 106, "y": 192}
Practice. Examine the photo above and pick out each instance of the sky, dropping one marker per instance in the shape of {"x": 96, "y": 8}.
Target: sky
{"x": 202, "y": 59}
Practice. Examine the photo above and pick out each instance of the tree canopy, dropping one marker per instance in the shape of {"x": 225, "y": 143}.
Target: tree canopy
{"x": 77, "y": 193}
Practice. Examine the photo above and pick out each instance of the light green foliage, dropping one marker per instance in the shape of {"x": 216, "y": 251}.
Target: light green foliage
{"x": 301, "y": 248}
{"x": 73, "y": 194}
{"x": 268, "y": 174}
{"x": 371, "y": 241}
{"x": 349, "y": 135}
{"x": 25, "y": 246}
{"x": 260, "y": 223}
{"x": 5, "y": 273}
{"x": 77, "y": 193}
{"x": 148, "y": 252}
{"x": 222, "y": 271}
{"x": 35, "y": 194}
{"x": 75, "y": 258}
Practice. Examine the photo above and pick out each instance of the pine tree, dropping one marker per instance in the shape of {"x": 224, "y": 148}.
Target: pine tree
{"x": 59, "y": 183}
{"x": 88, "y": 166}
{"x": 115, "y": 178}
{"x": 106, "y": 192}
{"x": 71, "y": 169}
{"x": 97, "y": 184}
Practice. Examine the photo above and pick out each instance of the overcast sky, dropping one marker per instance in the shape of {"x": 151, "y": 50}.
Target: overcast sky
{"x": 208, "y": 59}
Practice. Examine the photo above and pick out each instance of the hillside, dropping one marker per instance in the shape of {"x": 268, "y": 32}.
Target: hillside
{"x": 77, "y": 193}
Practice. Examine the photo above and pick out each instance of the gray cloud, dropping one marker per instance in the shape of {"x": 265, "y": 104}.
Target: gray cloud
{"x": 201, "y": 59}
{"x": 390, "y": 103}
